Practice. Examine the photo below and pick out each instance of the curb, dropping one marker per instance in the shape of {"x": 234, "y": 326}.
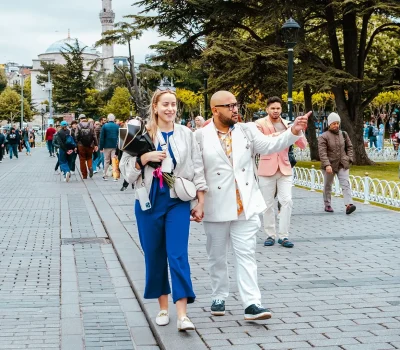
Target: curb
{"x": 132, "y": 262}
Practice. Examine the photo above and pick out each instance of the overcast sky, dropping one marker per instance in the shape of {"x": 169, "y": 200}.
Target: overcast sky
{"x": 29, "y": 27}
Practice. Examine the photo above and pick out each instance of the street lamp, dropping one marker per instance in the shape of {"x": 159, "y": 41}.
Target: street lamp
{"x": 22, "y": 76}
{"x": 43, "y": 112}
{"x": 290, "y": 31}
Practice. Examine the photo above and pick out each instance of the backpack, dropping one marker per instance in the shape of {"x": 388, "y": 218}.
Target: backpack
{"x": 85, "y": 135}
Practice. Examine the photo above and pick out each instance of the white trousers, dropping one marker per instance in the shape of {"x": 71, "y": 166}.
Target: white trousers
{"x": 242, "y": 234}
{"x": 282, "y": 185}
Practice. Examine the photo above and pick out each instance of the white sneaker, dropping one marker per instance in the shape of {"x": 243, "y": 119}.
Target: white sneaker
{"x": 67, "y": 176}
{"x": 184, "y": 324}
{"x": 72, "y": 172}
{"x": 95, "y": 172}
{"x": 162, "y": 318}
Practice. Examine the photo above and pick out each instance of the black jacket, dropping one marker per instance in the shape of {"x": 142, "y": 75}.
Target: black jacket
{"x": 13, "y": 138}
{"x": 2, "y": 139}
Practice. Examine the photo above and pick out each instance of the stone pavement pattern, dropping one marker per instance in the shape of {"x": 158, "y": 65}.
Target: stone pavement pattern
{"x": 61, "y": 284}
{"x": 338, "y": 288}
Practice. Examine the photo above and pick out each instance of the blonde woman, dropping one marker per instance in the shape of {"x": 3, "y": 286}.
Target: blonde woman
{"x": 164, "y": 228}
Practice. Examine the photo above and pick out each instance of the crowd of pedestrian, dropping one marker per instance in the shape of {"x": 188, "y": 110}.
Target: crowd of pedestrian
{"x": 14, "y": 141}
{"x": 94, "y": 142}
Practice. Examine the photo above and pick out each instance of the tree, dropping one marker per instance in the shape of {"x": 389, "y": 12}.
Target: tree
{"x": 191, "y": 101}
{"x": 27, "y": 89}
{"x": 10, "y": 106}
{"x": 3, "y": 80}
{"x": 340, "y": 48}
{"x": 71, "y": 81}
{"x": 123, "y": 34}
{"x": 120, "y": 104}
{"x": 93, "y": 103}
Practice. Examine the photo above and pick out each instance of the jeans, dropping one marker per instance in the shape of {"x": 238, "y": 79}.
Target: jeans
{"x": 27, "y": 146}
{"x": 13, "y": 149}
{"x": 64, "y": 159}
{"x": 372, "y": 141}
{"x": 50, "y": 147}
{"x": 99, "y": 160}
{"x": 72, "y": 160}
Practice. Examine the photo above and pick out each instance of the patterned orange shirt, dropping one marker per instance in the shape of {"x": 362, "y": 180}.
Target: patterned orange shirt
{"x": 226, "y": 143}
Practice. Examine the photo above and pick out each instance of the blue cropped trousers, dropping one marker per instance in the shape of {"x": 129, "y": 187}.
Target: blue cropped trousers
{"x": 164, "y": 237}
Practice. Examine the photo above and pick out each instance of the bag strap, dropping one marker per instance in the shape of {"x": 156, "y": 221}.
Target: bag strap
{"x": 163, "y": 144}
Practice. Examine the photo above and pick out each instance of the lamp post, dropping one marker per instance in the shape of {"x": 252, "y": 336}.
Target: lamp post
{"x": 290, "y": 31}
{"x": 22, "y": 102}
{"x": 43, "y": 112}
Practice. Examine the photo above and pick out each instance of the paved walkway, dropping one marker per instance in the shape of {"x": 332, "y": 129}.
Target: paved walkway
{"x": 338, "y": 288}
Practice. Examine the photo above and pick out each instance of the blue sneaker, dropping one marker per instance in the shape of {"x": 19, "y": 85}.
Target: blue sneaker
{"x": 285, "y": 243}
{"x": 218, "y": 307}
{"x": 269, "y": 242}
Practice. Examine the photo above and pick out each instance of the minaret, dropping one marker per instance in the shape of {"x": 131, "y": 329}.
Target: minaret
{"x": 107, "y": 17}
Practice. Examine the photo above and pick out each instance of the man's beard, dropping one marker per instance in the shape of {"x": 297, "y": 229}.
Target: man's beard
{"x": 227, "y": 121}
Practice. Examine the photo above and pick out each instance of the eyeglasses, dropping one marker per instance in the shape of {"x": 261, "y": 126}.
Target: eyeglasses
{"x": 231, "y": 106}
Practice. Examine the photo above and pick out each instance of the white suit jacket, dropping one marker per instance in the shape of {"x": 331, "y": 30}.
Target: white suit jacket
{"x": 247, "y": 141}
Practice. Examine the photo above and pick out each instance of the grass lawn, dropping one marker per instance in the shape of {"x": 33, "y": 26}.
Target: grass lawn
{"x": 382, "y": 171}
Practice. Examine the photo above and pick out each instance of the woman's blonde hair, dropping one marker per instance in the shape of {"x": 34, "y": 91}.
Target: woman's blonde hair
{"x": 153, "y": 120}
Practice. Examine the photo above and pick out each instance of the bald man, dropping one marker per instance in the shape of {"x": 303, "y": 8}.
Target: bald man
{"x": 234, "y": 201}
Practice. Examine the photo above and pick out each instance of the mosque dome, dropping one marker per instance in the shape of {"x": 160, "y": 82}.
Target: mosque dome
{"x": 62, "y": 46}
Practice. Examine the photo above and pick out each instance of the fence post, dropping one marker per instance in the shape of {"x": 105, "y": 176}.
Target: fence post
{"x": 366, "y": 188}
{"x": 312, "y": 178}
{"x": 337, "y": 187}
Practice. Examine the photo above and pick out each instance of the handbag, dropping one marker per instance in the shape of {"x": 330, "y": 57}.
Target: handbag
{"x": 184, "y": 189}
{"x": 136, "y": 141}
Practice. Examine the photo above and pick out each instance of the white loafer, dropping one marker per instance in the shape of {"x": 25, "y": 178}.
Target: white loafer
{"x": 162, "y": 318}
{"x": 184, "y": 324}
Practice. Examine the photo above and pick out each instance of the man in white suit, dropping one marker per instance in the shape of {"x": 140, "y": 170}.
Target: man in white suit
{"x": 234, "y": 201}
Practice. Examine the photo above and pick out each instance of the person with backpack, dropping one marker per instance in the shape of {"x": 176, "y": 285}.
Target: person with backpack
{"x": 336, "y": 154}
{"x": 67, "y": 147}
{"x": 372, "y": 135}
{"x": 87, "y": 144}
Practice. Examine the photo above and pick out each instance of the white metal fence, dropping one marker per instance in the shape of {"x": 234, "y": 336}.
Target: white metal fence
{"x": 364, "y": 188}
{"x": 388, "y": 154}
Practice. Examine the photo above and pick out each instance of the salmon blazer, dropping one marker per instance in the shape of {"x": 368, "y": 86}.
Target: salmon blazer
{"x": 269, "y": 164}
